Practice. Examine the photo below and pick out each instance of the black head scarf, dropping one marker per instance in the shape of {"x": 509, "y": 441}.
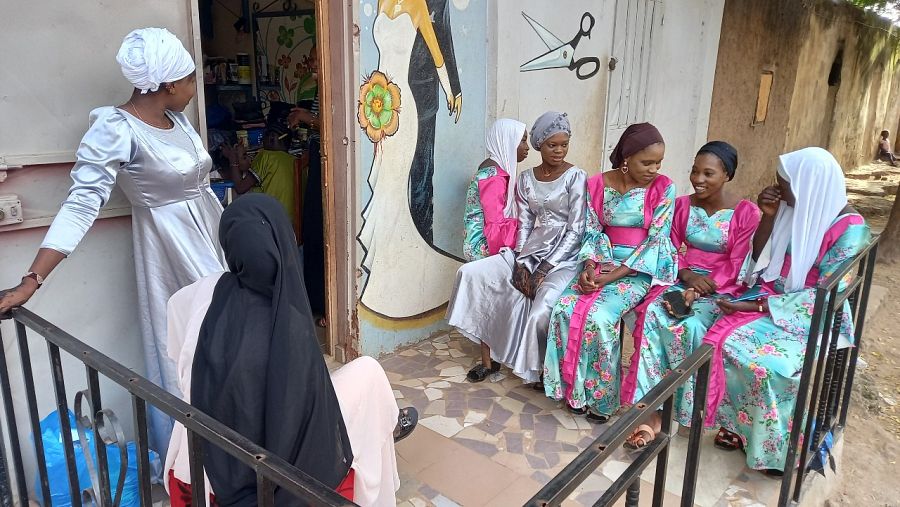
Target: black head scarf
{"x": 258, "y": 368}
{"x": 635, "y": 138}
{"x": 724, "y": 152}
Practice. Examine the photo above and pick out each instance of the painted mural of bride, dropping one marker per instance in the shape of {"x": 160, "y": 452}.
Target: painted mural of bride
{"x": 407, "y": 275}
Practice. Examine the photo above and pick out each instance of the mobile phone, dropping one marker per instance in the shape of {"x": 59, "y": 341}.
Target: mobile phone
{"x": 676, "y": 302}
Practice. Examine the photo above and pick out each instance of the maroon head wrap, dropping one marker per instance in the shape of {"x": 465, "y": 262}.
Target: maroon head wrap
{"x": 635, "y": 138}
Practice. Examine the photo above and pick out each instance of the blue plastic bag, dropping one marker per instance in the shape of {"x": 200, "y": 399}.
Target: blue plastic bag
{"x": 58, "y": 476}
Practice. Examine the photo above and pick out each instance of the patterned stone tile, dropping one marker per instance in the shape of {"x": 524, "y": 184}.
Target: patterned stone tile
{"x": 526, "y": 421}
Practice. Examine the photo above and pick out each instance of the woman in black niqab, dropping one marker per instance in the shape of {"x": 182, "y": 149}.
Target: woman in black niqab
{"x": 258, "y": 367}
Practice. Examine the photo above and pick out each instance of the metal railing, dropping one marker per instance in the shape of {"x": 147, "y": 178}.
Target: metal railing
{"x": 576, "y": 472}
{"x": 826, "y": 379}
{"x": 271, "y": 471}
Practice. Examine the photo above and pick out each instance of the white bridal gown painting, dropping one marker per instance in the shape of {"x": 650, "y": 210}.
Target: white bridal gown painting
{"x": 407, "y": 276}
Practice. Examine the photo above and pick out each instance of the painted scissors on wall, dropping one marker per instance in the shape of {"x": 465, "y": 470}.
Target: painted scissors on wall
{"x": 562, "y": 54}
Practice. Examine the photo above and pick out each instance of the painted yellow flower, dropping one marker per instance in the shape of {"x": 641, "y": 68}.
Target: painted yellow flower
{"x": 379, "y": 107}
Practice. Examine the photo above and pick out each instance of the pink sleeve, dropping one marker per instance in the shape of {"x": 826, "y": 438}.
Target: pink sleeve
{"x": 740, "y": 240}
{"x": 499, "y": 230}
{"x": 679, "y": 228}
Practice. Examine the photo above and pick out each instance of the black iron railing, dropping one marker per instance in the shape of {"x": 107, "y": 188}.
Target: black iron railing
{"x": 828, "y": 372}
{"x": 576, "y": 472}
{"x": 271, "y": 471}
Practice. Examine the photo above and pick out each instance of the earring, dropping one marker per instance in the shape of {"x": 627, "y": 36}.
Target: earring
{"x": 624, "y": 168}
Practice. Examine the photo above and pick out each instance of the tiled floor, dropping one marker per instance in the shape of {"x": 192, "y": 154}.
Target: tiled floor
{"x": 497, "y": 442}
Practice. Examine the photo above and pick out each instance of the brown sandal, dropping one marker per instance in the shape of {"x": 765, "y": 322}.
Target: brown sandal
{"x": 638, "y": 440}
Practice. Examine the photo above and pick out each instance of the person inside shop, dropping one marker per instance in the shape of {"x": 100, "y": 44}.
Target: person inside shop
{"x": 312, "y": 217}
{"x": 246, "y": 353}
{"x": 273, "y": 170}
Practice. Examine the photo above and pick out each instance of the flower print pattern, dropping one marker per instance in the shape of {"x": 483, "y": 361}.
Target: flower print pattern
{"x": 597, "y": 376}
{"x": 763, "y": 360}
{"x": 475, "y": 244}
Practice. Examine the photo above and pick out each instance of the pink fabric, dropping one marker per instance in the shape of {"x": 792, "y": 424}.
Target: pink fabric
{"x": 625, "y": 236}
{"x": 724, "y": 269}
{"x": 728, "y": 324}
{"x": 655, "y": 193}
{"x": 499, "y": 230}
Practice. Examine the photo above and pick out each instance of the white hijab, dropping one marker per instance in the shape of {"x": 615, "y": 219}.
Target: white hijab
{"x": 152, "y": 56}
{"x": 502, "y": 143}
{"x": 817, "y": 183}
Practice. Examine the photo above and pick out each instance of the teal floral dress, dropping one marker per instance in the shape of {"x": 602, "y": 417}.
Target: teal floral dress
{"x": 487, "y": 229}
{"x": 763, "y": 354}
{"x": 714, "y": 246}
{"x": 583, "y": 358}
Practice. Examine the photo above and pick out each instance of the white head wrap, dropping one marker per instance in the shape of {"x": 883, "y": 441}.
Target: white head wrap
{"x": 152, "y": 56}
{"x": 820, "y": 193}
{"x": 502, "y": 143}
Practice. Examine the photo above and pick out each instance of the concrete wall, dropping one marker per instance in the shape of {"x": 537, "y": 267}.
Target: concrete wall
{"x": 491, "y": 41}
{"x": 800, "y": 41}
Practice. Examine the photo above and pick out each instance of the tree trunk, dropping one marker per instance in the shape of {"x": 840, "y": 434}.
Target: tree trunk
{"x": 889, "y": 246}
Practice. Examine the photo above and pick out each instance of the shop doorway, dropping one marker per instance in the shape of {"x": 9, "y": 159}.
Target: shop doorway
{"x": 261, "y": 61}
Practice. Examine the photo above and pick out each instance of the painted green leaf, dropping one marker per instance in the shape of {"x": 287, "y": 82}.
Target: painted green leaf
{"x": 385, "y": 117}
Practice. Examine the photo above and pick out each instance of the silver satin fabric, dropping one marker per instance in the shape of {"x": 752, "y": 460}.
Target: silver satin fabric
{"x": 485, "y": 307}
{"x": 175, "y": 221}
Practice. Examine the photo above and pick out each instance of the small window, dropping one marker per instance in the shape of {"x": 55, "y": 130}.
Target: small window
{"x": 834, "y": 76}
{"x": 762, "y": 100}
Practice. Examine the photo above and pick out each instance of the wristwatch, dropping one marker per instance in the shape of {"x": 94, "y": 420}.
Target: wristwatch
{"x": 36, "y": 277}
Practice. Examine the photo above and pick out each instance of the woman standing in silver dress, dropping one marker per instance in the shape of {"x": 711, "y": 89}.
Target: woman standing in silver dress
{"x": 150, "y": 149}
{"x": 504, "y": 301}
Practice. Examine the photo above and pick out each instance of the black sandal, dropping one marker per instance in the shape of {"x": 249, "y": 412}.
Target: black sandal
{"x": 728, "y": 441}
{"x": 596, "y": 418}
{"x": 480, "y": 372}
{"x": 539, "y": 385}
{"x": 576, "y": 411}
{"x": 406, "y": 423}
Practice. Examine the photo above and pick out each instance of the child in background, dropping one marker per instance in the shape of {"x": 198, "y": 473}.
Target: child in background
{"x": 885, "y": 152}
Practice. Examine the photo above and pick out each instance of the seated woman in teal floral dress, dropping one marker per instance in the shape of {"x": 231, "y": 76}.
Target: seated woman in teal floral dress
{"x": 626, "y": 247}
{"x": 712, "y": 230}
{"x": 491, "y": 218}
{"x": 807, "y": 233}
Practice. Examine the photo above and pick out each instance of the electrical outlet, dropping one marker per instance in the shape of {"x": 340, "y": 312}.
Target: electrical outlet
{"x": 10, "y": 210}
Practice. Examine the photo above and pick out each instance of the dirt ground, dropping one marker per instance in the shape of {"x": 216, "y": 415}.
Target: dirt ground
{"x": 870, "y": 472}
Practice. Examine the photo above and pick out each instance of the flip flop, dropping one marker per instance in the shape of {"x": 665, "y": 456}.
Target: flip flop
{"x": 596, "y": 418}
{"x": 728, "y": 441}
{"x": 406, "y": 423}
{"x": 637, "y": 440}
{"x": 480, "y": 372}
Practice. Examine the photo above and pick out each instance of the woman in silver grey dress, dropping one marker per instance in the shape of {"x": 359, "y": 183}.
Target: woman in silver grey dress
{"x": 150, "y": 149}
{"x": 504, "y": 301}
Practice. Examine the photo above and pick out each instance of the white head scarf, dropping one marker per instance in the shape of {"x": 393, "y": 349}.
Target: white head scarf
{"x": 502, "y": 143}
{"x": 817, "y": 183}
{"x": 152, "y": 56}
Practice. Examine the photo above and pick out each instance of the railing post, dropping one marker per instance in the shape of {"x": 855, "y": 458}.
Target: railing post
{"x": 692, "y": 461}
{"x": 800, "y": 404}
{"x": 633, "y": 494}
{"x": 65, "y": 426}
{"x": 861, "y": 321}
{"x": 33, "y": 415}
{"x": 21, "y": 488}
{"x": 139, "y": 407}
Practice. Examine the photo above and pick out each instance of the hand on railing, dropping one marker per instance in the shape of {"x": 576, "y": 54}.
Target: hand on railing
{"x": 16, "y": 296}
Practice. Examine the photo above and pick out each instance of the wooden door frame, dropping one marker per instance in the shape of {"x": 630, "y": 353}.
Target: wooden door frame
{"x": 334, "y": 29}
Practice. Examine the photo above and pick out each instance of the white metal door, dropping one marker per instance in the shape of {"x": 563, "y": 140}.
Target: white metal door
{"x": 635, "y": 23}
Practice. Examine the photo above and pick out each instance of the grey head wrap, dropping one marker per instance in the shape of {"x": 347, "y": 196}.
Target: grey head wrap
{"x": 548, "y": 125}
